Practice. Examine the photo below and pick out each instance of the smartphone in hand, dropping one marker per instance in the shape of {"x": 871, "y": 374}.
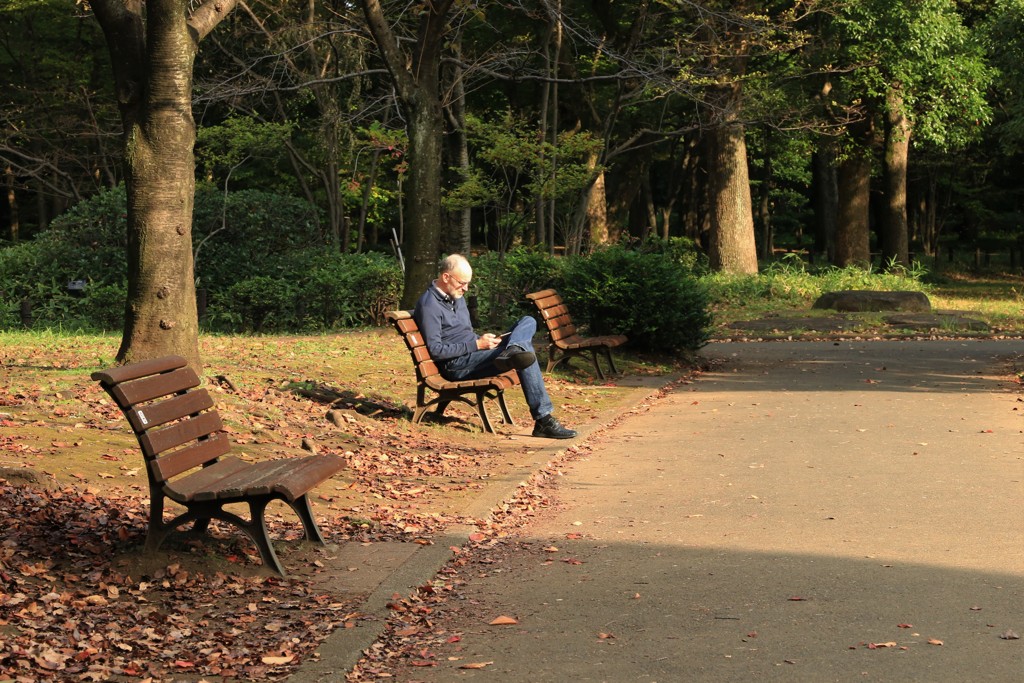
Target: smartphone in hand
{"x": 503, "y": 335}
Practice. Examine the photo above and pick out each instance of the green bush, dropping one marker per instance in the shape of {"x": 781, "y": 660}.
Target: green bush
{"x": 249, "y": 233}
{"x": 350, "y": 290}
{"x": 649, "y": 297}
{"x": 501, "y": 283}
{"x": 259, "y": 304}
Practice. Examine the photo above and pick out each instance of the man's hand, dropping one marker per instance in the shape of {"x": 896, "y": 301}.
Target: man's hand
{"x": 487, "y": 341}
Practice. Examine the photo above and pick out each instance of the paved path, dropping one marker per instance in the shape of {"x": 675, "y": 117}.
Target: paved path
{"x": 773, "y": 520}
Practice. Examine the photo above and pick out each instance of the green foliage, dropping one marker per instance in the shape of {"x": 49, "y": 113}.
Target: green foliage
{"x": 259, "y": 304}
{"x": 502, "y": 281}
{"x": 512, "y": 167}
{"x": 923, "y": 50}
{"x": 336, "y": 291}
{"x": 792, "y": 281}
{"x": 250, "y": 232}
{"x": 223, "y": 150}
{"x": 350, "y": 290}
{"x": 684, "y": 251}
{"x": 649, "y": 297}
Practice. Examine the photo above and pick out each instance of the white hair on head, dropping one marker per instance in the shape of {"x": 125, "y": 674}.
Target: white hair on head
{"x": 452, "y": 262}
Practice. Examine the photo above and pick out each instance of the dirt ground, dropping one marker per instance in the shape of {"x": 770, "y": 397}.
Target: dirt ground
{"x": 79, "y": 600}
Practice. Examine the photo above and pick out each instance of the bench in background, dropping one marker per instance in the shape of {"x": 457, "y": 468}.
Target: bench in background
{"x": 429, "y": 377}
{"x": 185, "y": 450}
{"x": 565, "y": 339}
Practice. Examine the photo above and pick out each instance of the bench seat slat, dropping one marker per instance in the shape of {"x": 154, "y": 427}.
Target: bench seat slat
{"x": 234, "y": 479}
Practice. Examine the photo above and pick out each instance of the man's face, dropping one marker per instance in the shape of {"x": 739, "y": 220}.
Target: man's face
{"x": 455, "y": 282}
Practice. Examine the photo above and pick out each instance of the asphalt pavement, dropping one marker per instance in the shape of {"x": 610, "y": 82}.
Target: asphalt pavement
{"x": 807, "y": 511}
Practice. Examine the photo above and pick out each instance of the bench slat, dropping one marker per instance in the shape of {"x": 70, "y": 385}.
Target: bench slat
{"x": 192, "y": 486}
{"x": 542, "y": 294}
{"x": 145, "y": 368}
{"x": 288, "y": 477}
{"x": 149, "y": 388}
{"x": 182, "y": 460}
{"x": 157, "y": 441}
{"x": 156, "y": 414}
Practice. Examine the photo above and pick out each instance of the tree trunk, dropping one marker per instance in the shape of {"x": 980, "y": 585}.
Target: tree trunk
{"x": 825, "y": 200}
{"x": 853, "y": 236}
{"x": 732, "y": 248}
{"x": 597, "y": 214}
{"x": 13, "y": 219}
{"x": 152, "y": 49}
{"x": 895, "y": 241}
{"x": 416, "y": 76}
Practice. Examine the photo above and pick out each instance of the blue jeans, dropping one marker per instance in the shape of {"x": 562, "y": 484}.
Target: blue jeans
{"x": 480, "y": 364}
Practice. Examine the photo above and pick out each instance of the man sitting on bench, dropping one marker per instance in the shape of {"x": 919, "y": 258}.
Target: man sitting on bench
{"x": 443, "y": 318}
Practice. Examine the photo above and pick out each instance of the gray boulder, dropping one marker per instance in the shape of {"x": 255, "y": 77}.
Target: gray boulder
{"x": 862, "y": 300}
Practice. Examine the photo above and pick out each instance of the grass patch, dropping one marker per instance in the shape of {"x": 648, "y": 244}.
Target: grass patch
{"x": 789, "y": 287}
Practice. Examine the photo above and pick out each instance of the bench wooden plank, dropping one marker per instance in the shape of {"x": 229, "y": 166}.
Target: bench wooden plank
{"x": 185, "y": 449}
{"x": 149, "y": 388}
{"x": 175, "y": 408}
{"x": 156, "y": 441}
{"x": 184, "y": 459}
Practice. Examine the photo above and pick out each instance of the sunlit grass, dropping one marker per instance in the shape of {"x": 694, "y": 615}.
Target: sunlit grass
{"x": 789, "y": 288}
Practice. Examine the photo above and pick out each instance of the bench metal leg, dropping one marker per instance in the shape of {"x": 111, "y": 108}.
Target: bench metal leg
{"x": 505, "y": 415}
{"x": 611, "y": 361}
{"x": 305, "y": 512}
{"x": 597, "y": 366}
{"x": 481, "y": 410}
{"x": 202, "y": 512}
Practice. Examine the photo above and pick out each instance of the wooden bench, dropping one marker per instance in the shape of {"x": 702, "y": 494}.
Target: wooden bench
{"x": 184, "y": 446}
{"x": 429, "y": 377}
{"x": 563, "y": 335}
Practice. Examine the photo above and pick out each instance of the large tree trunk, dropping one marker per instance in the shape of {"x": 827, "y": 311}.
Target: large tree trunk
{"x": 895, "y": 240}
{"x": 597, "y": 214}
{"x": 825, "y": 200}
{"x": 417, "y": 79}
{"x": 731, "y": 248}
{"x": 853, "y": 236}
{"x": 152, "y": 47}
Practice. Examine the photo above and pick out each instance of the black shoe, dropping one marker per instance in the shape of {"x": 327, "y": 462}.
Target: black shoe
{"x": 514, "y": 358}
{"x": 548, "y": 427}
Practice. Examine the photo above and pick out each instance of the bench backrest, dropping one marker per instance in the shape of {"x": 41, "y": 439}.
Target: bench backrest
{"x": 554, "y": 312}
{"x": 172, "y": 419}
{"x": 406, "y": 326}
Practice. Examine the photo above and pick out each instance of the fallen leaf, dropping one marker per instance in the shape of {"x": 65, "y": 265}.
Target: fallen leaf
{"x": 935, "y": 641}
{"x": 876, "y": 646}
{"x": 904, "y": 626}
{"x": 1009, "y": 634}
{"x": 278, "y": 659}
{"x": 503, "y": 621}
{"x": 475, "y": 665}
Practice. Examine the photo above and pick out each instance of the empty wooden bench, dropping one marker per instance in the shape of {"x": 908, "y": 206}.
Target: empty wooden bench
{"x": 565, "y": 340}
{"x": 185, "y": 449}
{"x": 429, "y": 377}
